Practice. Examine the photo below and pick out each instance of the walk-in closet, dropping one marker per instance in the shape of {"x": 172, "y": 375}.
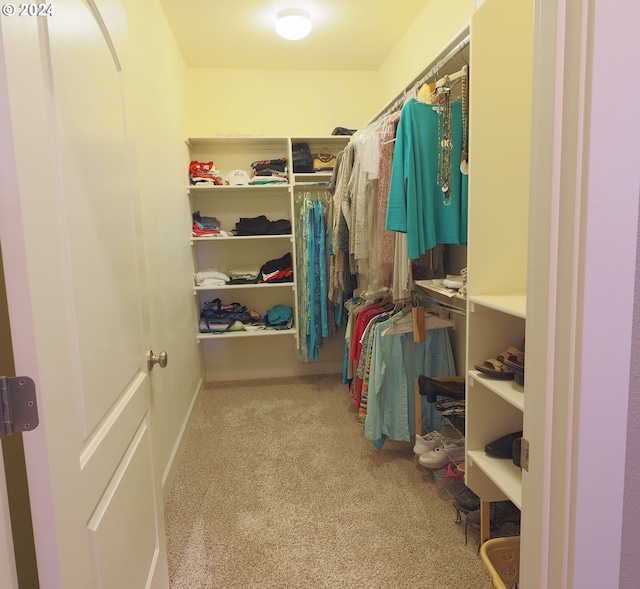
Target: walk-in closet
{"x": 268, "y": 295}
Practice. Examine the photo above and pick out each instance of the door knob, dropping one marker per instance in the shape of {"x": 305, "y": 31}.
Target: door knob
{"x": 152, "y": 360}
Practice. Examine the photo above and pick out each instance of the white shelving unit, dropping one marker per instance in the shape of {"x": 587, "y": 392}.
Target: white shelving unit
{"x": 225, "y": 355}
{"x": 499, "y": 147}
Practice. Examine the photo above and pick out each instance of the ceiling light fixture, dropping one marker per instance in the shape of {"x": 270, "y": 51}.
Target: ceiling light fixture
{"x": 293, "y": 24}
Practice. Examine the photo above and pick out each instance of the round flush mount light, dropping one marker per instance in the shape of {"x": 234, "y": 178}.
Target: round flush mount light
{"x": 293, "y": 24}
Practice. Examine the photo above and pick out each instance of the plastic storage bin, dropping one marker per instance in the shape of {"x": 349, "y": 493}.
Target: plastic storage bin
{"x": 501, "y": 556}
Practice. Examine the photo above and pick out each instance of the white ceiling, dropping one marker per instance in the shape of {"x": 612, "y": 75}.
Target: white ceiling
{"x": 239, "y": 34}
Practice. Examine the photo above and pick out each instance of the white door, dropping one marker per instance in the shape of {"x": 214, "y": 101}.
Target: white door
{"x": 74, "y": 274}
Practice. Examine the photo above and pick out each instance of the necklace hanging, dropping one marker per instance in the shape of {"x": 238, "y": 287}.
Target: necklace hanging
{"x": 445, "y": 143}
{"x": 464, "y": 155}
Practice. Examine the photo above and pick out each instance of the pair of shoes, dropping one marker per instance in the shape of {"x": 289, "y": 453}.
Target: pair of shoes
{"x": 451, "y": 408}
{"x": 508, "y": 446}
{"x": 503, "y": 366}
{"x": 501, "y": 514}
{"x": 428, "y": 442}
{"x": 515, "y": 363}
{"x": 466, "y": 501}
{"x": 452, "y": 451}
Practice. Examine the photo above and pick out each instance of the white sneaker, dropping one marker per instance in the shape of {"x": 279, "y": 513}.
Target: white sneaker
{"x": 428, "y": 442}
{"x": 443, "y": 455}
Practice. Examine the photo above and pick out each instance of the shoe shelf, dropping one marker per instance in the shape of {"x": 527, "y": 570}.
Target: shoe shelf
{"x": 508, "y": 390}
{"x": 506, "y": 475}
{"x": 495, "y": 407}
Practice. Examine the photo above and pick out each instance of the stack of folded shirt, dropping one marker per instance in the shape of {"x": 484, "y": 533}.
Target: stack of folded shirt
{"x": 211, "y": 277}
{"x": 269, "y": 172}
{"x": 248, "y": 275}
{"x": 278, "y": 270}
{"x": 203, "y": 226}
{"x": 204, "y": 174}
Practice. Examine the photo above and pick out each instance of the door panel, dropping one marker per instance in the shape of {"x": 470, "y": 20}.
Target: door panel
{"x": 126, "y": 513}
{"x": 70, "y": 243}
{"x": 96, "y": 183}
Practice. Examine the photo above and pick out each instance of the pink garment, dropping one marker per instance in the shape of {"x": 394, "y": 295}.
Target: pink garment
{"x": 386, "y": 239}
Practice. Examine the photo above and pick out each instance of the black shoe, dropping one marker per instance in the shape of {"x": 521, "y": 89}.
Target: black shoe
{"x": 466, "y": 501}
{"x": 516, "y": 449}
{"x": 500, "y": 513}
{"x": 502, "y": 447}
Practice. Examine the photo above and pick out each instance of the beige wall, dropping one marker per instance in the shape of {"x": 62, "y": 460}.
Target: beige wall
{"x": 308, "y": 103}
{"x": 155, "y": 83}
{"x": 437, "y": 25}
{"x": 277, "y": 102}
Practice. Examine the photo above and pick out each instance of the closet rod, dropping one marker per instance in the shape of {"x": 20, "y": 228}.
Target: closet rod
{"x": 453, "y": 48}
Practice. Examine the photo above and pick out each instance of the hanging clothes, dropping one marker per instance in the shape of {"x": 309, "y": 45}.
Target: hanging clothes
{"x": 396, "y": 362}
{"x": 313, "y": 300}
{"x": 416, "y": 204}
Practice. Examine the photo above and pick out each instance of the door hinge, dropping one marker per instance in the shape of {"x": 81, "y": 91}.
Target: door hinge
{"x": 19, "y": 409}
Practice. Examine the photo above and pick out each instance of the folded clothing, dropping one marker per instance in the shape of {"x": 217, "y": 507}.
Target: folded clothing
{"x": 262, "y": 226}
{"x": 211, "y": 277}
{"x": 204, "y": 173}
{"x": 205, "y": 222}
{"x": 278, "y": 270}
{"x": 274, "y": 165}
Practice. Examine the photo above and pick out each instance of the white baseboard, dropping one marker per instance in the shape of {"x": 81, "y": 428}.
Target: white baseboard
{"x": 174, "y": 459}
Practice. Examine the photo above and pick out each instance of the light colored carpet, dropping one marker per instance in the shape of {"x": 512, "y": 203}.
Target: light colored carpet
{"x": 278, "y": 488}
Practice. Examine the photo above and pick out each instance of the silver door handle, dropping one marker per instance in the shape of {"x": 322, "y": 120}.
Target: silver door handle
{"x": 159, "y": 359}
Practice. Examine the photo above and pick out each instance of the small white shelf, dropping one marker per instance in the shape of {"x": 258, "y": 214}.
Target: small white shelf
{"x": 212, "y": 190}
{"x": 515, "y": 304}
{"x": 508, "y": 390}
{"x": 323, "y": 177}
{"x": 286, "y": 236}
{"x": 241, "y": 334}
{"x": 503, "y": 473}
{"x": 258, "y": 285}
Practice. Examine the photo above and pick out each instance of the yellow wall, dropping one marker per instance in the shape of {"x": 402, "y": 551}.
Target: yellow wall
{"x": 155, "y": 87}
{"x": 439, "y": 23}
{"x": 277, "y": 102}
{"x": 290, "y": 103}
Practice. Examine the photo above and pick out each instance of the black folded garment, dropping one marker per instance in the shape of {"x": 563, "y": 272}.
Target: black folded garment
{"x": 262, "y": 226}
{"x": 276, "y": 265}
{"x": 278, "y": 165}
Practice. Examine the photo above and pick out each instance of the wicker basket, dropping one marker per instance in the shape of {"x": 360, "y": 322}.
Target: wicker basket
{"x": 501, "y": 556}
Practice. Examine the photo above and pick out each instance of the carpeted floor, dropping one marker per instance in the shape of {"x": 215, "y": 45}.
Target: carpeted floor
{"x": 278, "y": 488}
